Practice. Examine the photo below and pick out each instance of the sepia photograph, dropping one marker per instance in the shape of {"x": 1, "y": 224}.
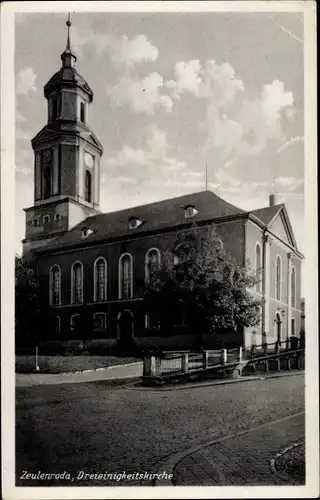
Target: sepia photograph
{"x": 162, "y": 199}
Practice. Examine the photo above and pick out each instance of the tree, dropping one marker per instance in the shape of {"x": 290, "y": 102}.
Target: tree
{"x": 200, "y": 285}
{"x": 26, "y": 304}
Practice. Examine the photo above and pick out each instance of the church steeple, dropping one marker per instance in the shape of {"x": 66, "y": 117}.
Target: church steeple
{"x": 68, "y": 58}
{"x": 67, "y": 156}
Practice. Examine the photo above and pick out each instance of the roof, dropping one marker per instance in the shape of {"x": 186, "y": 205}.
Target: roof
{"x": 267, "y": 214}
{"x": 65, "y": 76}
{"x": 154, "y": 216}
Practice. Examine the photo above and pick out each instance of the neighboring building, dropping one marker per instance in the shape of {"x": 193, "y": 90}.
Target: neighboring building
{"x": 92, "y": 266}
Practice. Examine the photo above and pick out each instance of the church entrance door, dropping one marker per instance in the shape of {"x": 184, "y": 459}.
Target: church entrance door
{"x": 125, "y": 325}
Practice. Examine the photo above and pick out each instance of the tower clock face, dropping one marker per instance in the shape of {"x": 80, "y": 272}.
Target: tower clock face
{"x": 47, "y": 155}
{"x": 88, "y": 160}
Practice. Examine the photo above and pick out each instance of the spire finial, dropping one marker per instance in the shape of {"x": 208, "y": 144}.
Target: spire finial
{"x": 68, "y": 58}
{"x": 68, "y": 24}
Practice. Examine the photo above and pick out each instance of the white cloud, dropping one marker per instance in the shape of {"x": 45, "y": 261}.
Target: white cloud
{"x": 153, "y": 166}
{"x": 120, "y": 49}
{"x": 143, "y": 96}
{"x": 212, "y": 81}
{"x": 26, "y": 81}
{"x": 247, "y": 133}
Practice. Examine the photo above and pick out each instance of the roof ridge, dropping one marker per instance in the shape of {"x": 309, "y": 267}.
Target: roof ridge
{"x": 146, "y": 205}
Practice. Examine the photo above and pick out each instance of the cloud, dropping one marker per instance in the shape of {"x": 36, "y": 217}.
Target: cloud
{"x": 26, "y": 81}
{"x": 153, "y": 166}
{"x": 121, "y": 50}
{"x": 288, "y": 184}
{"x": 251, "y": 126}
{"x": 212, "y": 81}
{"x": 143, "y": 96}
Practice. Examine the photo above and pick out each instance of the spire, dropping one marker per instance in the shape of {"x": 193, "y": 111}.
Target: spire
{"x": 68, "y": 57}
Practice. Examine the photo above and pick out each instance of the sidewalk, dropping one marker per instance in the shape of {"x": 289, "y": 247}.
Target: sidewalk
{"x": 112, "y": 373}
{"x": 244, "y": 459}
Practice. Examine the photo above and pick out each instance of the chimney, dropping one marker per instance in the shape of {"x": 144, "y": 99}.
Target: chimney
{"x": 272, "y": 200}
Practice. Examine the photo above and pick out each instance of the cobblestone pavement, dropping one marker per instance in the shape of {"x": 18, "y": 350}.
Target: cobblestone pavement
{"x": 243, "y": 460}
{"x": 94, "y": 428}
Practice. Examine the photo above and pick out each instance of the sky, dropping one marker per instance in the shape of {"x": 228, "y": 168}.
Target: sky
{"x": 174, "y": 92}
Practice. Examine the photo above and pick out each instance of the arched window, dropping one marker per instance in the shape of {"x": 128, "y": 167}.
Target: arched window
{"x": 55, "y": 286}
{"x": 82, "y": 112}
{"x": 74, "y": 322}
{"x": 293, "y": 287}
{"x": 258, "y": 268}
{"x": 88, "y": 186}
{"x": 77, "y": 283}
{"x": 99, "y": 322}
{"x": 152, "y": 261}
{"x": 278, "y": 278}
{"x": 100, "y": 280}
{"x": 125, "y": 276}
{"x": 46, "y": 181}
{"x": 293, "y": 327}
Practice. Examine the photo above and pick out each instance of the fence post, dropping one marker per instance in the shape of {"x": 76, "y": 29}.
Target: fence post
{"x": 289, "y": 363}
{"x": 240, "y": 355}
{"x": 223, "y": 358}
{"x": 185, "y": 362}
{"x": 37, "y": 368}
{"x": 151, "y": 366}
{"x": 253, "y": 355}
{"x": 205, "y": 359}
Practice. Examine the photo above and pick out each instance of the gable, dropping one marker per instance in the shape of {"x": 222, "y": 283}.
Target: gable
{"x": 280, "y": 228}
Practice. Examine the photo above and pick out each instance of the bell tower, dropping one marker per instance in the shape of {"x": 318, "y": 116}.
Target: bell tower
{"x": 66, "y": 157}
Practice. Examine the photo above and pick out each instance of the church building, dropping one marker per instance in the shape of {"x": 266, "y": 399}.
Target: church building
{"x": 92, "y": 265}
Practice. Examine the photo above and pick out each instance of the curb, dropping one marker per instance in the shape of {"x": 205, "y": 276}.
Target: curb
{"x": 282, "y": 452}
{"x": 82, "y": 371}
{"x": 168, "y": 465}
{"x": 184, "y": 387}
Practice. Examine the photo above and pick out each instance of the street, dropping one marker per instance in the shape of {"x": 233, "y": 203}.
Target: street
{"x": 93, "y": 428}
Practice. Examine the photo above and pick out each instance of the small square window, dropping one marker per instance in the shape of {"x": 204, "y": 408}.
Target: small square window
{"x": 36, "y": 222}
{"x": 57, "y": 217}
{"x": 46, "y": 219}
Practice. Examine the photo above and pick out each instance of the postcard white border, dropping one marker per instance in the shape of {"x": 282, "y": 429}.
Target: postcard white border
{"x": 311, "y": 489}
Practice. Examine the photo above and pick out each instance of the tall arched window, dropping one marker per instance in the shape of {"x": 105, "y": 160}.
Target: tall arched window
{"x": 99, "y": 322}
{"x": 77, "y": 283}
{"x": 258, "y": 268}
{"x": 88, "y": 186}
{"x": 100, "y": 280}
{"x": 82, "y": 112}
{"x": 55, "y": 286}
{"x": 46, "y": 181}
{"x": 293, "y": 287}
{"x": 125, "y": 276}
{"x": 152, "y": 261}
{"x": 278, "y": 278}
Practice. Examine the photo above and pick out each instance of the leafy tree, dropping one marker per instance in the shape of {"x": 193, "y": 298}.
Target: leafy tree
{"x": 199, "y": 285}
{"x": 26, "y": 304}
